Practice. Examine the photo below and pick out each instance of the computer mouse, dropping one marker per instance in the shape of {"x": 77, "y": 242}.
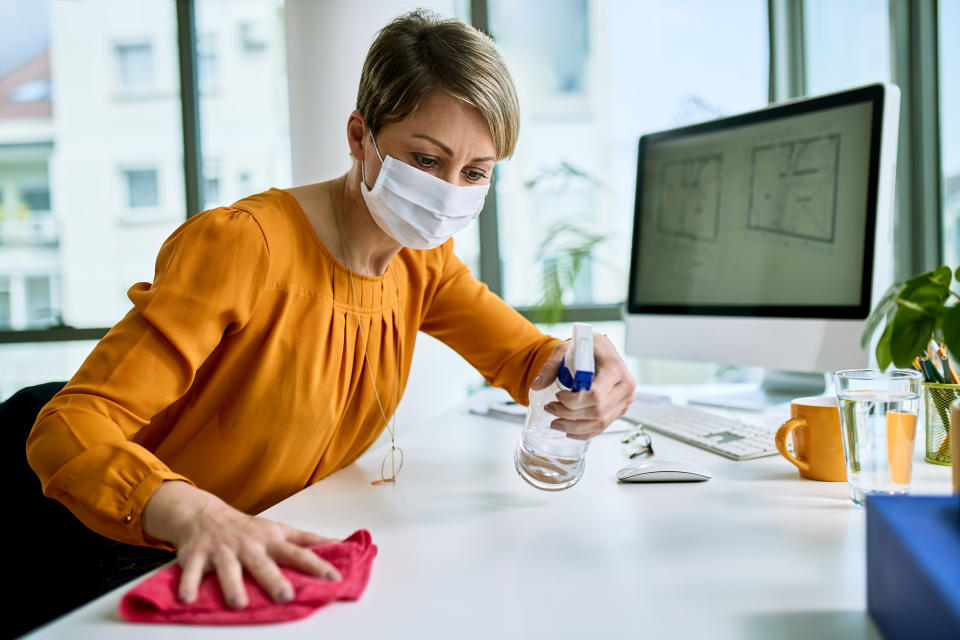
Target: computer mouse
{"x": 662, "y": 471}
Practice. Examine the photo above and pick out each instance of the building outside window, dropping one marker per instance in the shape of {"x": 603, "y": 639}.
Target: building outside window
{"x": 245, "y": 135}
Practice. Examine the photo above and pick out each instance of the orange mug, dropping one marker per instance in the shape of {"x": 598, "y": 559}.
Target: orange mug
{"x": 817, "y": 440}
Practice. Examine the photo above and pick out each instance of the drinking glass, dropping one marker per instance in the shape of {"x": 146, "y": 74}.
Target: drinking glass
{"x": 878, "y": 420}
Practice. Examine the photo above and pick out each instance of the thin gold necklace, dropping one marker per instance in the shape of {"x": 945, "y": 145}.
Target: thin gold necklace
{"x": 395, "y": 451}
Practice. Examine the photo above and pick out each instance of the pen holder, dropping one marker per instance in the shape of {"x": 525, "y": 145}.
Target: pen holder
{"x": 954, "y": 441}
{"x": 937, "y": 399}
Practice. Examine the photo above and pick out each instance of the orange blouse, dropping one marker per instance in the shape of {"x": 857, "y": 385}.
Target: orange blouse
{"x": 241, "y": 369}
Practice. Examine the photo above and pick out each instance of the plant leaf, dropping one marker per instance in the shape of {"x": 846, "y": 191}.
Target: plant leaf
{"x": 925, "y": 294}
{"x": 911, "y": 332}
{"x": 951, "y": 330}
{"x": 884, "y": 357}
{"x": 942, "y": 275}
{"x": 887, "y": 304}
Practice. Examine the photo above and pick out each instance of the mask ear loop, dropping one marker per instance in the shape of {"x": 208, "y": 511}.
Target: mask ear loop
{"x": 363, "y": 173}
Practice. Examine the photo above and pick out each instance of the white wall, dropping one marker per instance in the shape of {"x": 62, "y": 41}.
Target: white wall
{"x": 326, "y": 45}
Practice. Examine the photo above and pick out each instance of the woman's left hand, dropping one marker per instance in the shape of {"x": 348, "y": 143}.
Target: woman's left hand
{"x": 584, "y": 414}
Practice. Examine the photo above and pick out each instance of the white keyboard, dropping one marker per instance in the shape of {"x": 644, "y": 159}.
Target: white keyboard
{"x": 718, "y": 434}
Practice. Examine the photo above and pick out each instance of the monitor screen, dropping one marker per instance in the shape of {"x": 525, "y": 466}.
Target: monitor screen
{"x": 769, "y": 213}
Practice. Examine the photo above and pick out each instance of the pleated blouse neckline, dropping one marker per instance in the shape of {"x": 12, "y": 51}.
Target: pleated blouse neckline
{"x": 374, "y": 294}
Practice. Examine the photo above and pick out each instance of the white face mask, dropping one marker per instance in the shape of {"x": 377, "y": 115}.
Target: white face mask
{"x": 416, "y": 209}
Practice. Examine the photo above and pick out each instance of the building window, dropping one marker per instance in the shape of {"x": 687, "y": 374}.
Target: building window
{"x": 142, "y": 190}
{"x": 135, "y": 63}
{"x": 207, "y": 63}
{"x": 253, "y": 36}
{"x": 36, "y": 198}
{"x": 211, "y": 184}
{"x": 243, "y": 182}
{"x": 32, "y": 91}
{"x": 40, "y": 312}
{"x": 4, "y": 303}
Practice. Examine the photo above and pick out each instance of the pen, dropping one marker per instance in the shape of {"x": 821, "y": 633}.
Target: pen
{"x": 930, "y": 371}
{"x": 916, "y": 365}
{"x": 948, "y": 371}
{"x": 932, "y": 347}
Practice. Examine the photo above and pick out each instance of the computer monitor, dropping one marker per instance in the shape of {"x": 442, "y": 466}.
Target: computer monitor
{"x": 764, "y": 238}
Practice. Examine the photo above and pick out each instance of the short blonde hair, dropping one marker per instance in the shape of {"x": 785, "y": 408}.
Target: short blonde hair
{"x": 419, "y": 53}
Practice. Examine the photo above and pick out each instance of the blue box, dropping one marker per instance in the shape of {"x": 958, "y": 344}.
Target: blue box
{"x": 913, "y": 566}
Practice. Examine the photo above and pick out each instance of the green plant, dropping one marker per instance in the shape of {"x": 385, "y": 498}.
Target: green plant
{"x": 915, "y": 312}
{"x": 567, "y": 247}
{"x": 563, "y": 253}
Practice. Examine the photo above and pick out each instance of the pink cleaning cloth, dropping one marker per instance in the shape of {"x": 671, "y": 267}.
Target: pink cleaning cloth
{"x": 156, "y": 600}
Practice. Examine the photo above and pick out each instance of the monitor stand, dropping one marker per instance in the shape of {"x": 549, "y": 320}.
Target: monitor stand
{"x": 777, "y": 387}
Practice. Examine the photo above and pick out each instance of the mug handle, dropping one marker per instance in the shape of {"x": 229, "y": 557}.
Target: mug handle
{"x": 781, "y": 441}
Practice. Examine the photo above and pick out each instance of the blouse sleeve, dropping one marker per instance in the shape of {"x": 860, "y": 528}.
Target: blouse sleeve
{"x": 209, "y": 275}
{"x": 506, "y": 348}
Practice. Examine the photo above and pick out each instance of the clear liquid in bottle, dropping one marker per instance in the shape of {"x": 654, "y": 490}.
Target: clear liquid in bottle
{"x": 547, "y": 458}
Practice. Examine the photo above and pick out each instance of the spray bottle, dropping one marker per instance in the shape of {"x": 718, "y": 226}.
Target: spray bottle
{"x": 545, "y": 457}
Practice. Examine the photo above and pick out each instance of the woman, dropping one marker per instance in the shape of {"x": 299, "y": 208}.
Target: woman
{"x": 276, "y": 338}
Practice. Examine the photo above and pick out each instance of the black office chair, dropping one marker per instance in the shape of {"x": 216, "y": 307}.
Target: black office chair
{"x": 53, "y": 563}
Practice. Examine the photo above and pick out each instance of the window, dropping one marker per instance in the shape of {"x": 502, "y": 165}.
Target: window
{"x": 207, "y": 69}
{"x": 253, "y": 35}
{"x": 847, "y": 43}
{"x": 4, "y": 303}
{"x": 135, "y": 63}
{"x": 141, "y": 188}
{"x": 31, "y": 91}
{"x": 589, "y": 86}
{"x": 949, "y": 24}
{"x": 67, "y": 251}
{"x": 40, "y": 310}
{"x": 36, "y": 198}
{"x": 245, "y": 135}
{"x": 211, "y": 184}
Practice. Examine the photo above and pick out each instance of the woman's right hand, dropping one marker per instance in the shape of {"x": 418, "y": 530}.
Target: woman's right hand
{"x": 213, "y": 536}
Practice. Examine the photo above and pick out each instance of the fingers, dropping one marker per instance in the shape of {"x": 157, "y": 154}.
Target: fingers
{"x": 305, "y": 538}
{"x": 587, "y": 422}
{"x": 290, "y": 555}
{"x": 230, "y": 575}
{"x": 220, "y": 539}
{"x": 266, "y": 573}
{"x": 548, "y": 372}
{"x": 597, "y": 405}
{"x": 192, "y": 568}
{"x": 304, "y": 560}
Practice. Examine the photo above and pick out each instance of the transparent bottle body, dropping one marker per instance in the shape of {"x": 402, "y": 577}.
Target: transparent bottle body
{"x": 545, "y": 457}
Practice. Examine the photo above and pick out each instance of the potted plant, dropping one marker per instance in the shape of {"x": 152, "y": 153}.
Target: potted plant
{"x": 916, "y": 312}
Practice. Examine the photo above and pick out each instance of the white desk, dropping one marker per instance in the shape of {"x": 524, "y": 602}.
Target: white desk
{"x": 468, "y": 550}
